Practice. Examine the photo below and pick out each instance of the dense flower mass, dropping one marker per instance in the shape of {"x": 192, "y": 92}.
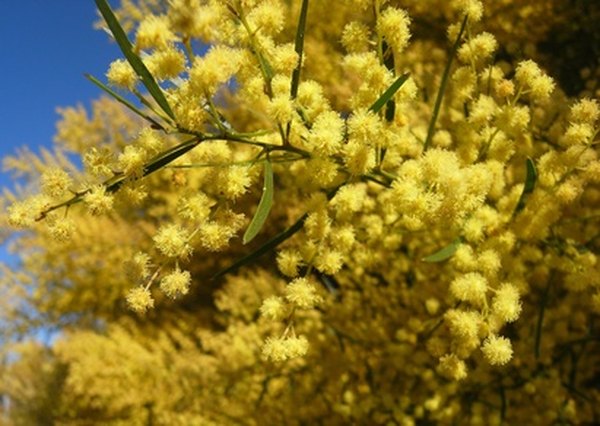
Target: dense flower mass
{"x": 350, "y": 212}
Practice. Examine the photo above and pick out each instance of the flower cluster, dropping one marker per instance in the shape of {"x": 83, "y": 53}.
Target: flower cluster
{"x": 407, "y": 228}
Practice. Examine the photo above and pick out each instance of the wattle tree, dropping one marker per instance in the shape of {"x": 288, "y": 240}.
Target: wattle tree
{"x": 314, "y": 212}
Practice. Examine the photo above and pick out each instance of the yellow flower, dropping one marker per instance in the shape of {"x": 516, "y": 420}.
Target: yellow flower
{"x": 131, "y": 160}
{"x": 302, "y": 293}
{"x": 355, "y": 37}
{"x": 154, "y": 32}
{"x": 470, "y": 287}
{"x": 97, "y": 200}
{"x": 139, "y": 299}
{"x": 452, "y": 367}
{"x": 138, "y": 267}
{"x": 62, "y": 229}
{"x": 393, "y": 24}
{"x": 273, "y": 308}
{"x": 533, "y": 80}
{"x": 506, "y": 303}
{"x": 215, "y": 68}
{"x": 497, "y": 350}
{"x": 172, "y": 241}
{"x": 122, "y": 75}
{"x": 176, "y": 283}
{"x": 288, "y": 262}
{"x": 166, "y": 63}
{"x": 282, "y": 349}
{"x": 55, "y": 182}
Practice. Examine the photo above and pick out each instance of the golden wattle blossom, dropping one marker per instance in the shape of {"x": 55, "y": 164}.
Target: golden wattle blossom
{"x": 311, "y": 212}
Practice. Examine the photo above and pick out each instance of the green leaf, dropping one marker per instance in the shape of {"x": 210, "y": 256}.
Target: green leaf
{"x": 329, "y": 283}
{"x": 133, "y": 59}
{"x": 265, "y": 248}
{"x": 390, "y": 64}
{"x": 273, "y": 242}
{"x": 389, "y": 93}
{"x": 299, "y": 48}
{"x": 170, "y": 155}
{"x": 530, "y": 181}
{"x": 264, "y": 206}
{"x": 156, "y": 163}
{"x": 445, "y": 253}
{"x": 444, "y": 83}
{"x": 122, "y": 100}
{"x": 114, "y": 183}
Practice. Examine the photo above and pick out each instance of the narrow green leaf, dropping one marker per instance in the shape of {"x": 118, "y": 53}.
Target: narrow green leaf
{"x": 390, "y": 111}
{"x": 530, "y": 181}
{"x": 388, "y": 56}
{"x": 170, "y": 155}
{"x": 122, "y": 100}
{"x": 389, "y": 93}
{"x": 444, "y": 253}
{"x": 267, "y": 68}
{"x": 114, "y": 183}
{"x": 265, "y": 248}
{"x": 390, "y": 64}
{"x": 531, "y": 176}
{"x": 444, "y": 83}
{"x": 299, "y": 48}
{"x": 157, "y": 162}
{"x": 329, "y": 282}
{"x": 273, "y": 242}
{"x": 264, "y": 206}
{"x": 134, "y": 60}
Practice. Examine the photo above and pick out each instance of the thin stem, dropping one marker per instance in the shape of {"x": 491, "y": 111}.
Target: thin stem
{"x": 372, "y": 178}
{"x": 116, "y": 181}
{"x": 214, "y": 113}
{"x": 299, "y": 49}
{"x": 377, "y": 13}
{"x": 265, "y": 68}
{"x": 277, "y": 159}
{"x": 486, "y": 147}
{"x": 154, "y": 276}
{"x": 388, "y": 175}
{"x": 151, "y": 107}
{"x": 443, "y": 84}
{"x": 267, "y": 146}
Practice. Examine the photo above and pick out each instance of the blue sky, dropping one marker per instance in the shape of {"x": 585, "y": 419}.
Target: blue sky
{"x": 45, "y": 48}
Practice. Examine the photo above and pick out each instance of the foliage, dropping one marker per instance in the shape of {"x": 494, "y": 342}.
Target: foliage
{"x": 320, "y": 219}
